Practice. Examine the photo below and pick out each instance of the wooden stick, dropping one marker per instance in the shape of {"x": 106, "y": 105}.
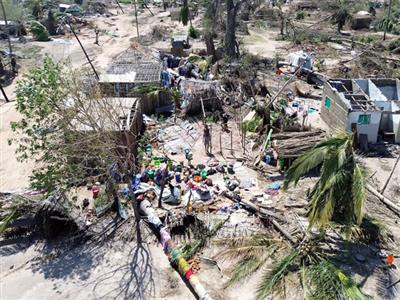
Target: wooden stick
{"x": 202, "y": 107}
{"x": 231, "y": 142}
{"x": 84, "y": 51}
{"x": 119, "y": 5}
{"x": 395, "y": 208}
{"x": 283, "y": 87}
{"x": 255, "y": 209}
{"x": 390, "y": 175}
{"x": 220, "y": 142}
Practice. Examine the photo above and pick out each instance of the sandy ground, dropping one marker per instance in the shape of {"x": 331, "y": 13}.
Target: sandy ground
{"x": 263, "y": 42}
{"x": 117, "y": 271}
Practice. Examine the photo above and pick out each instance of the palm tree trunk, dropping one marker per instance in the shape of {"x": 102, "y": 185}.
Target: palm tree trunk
{"x": 230, "y": 34}
{"x": 8, "y": 29}
{"x": 208, "y": 37}
{"x": 387, "y": 20}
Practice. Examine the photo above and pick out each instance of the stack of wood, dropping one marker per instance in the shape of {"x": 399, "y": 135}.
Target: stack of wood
{"x": 294, "y": 144}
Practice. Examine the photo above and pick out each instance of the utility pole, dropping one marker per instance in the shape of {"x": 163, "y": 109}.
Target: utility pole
{"x": 84, "y": 51}
{"x": 388, "y": 19}
{"x": 119, "y": 5}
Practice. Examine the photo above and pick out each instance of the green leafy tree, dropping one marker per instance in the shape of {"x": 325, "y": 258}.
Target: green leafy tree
{"x": 14, "y": 10}
{"x": 342, "y": 15}
{"x": 184, "y": 15}
{"x": 68, "y": 128}
{"x": 35, "y": 8}
{"x": 340, "y": 192}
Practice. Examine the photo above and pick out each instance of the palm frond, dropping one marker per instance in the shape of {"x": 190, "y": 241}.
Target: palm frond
{"x": 272, "y": 278}
{"x": 350, "y": 288}
{"x": 245, "y": 247}
{"x": 244, "y": 269}
{"x": 324, "y": 198}
{"x": 330, "y": 283}
{"x": 359, "y": 192}
{"x": 303, "y": 165}
{"x": 313, "y": 158}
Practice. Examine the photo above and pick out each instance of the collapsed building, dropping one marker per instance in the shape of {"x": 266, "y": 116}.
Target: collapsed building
{"x": 369, "y": 107}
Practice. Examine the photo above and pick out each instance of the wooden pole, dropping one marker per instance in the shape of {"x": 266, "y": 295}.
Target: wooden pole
{"x": 202, "y": 107}
{"x": 84, "y": 51}
{"x": 390, "y": 175}
{"x": 4, "y": 93}
{"x": 220, "y": 142}
{"x": 283, "y": 87}
{"x": 231, "y": 142}
{"x": 395, "y": 208}
{"x": 211, "y": 135}
{"x": 119, "y": 5}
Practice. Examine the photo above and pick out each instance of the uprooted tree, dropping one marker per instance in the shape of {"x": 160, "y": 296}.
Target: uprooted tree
{"x": 72, "y": 133}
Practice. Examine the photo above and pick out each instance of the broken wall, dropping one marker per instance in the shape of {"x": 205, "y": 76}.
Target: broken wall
{"x": 131, "y": 137}
{"x": 388, "y": 87}
{"x": 334, "y": 112}
{"x": 371, "y": 129}
{"x": 151, "y": 104}
{"x": 396, "y": 121}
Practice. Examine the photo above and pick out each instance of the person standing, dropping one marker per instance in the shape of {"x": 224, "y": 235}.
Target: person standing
{"x": 14, "y": 65}
{"x": 207, "y": 139}
{"x": 97, "y": 32}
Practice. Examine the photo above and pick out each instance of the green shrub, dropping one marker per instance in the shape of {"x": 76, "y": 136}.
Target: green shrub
{"x": 253, "y": 125}
{"x": 39, "y": 31}
{"x": 184, "y": 15}
{"x": 261, "y": 24}
{"x": 393, "y": 45}
{"x": 194, "y": 33}
{"x": 300, "y": 15}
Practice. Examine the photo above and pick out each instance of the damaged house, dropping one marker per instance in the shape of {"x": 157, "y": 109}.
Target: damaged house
{"x": 120, "y": 117}
{"x": 370, "y": 107}
{"x": 198, "y": 95}
{"x": 130, "y": 69}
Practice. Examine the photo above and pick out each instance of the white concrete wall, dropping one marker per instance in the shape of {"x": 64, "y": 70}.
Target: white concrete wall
{"x": 396, "y": 121}
{"x": 371, "y": 129}
{"x": 375, "y": 93}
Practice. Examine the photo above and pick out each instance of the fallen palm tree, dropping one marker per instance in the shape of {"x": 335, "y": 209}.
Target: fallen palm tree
{"x": 173, "y": 251}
